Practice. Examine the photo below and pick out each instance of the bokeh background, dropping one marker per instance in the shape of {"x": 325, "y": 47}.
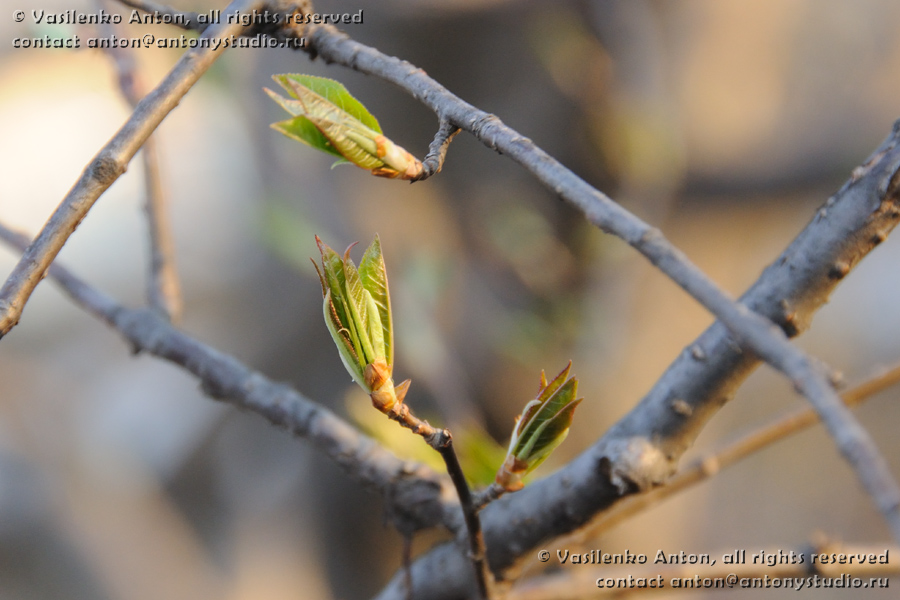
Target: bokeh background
{"x": 724, "y": 122}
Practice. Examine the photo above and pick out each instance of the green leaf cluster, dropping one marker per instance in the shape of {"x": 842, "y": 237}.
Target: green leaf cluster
{"x": 543, "y": 425}
{"x": 326, "y": 117}
{"x": 357, "y": 308}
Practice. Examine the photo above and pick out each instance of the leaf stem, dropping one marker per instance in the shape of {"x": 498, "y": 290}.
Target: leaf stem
{"x": 470, "y": 513}
{"x": 442, "y": 441}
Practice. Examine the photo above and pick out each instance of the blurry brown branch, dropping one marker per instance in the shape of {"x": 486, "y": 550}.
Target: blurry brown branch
{"x": 107, "y": 166}
{"x": 581, "y": 581}
{"x": 414, "y": 494}
{"x": 163, "y": 286}
{"x": 705, "y": 467}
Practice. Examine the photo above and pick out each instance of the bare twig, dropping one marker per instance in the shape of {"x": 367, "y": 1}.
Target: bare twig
{"x": 488, "y": 495}
{"x": 470, "y": 513}
{"x": 752, "y": 330}
{"x": 437, "y": 151}
{"x": 407, "y": 564}
{"x": 441, "y": 441}
{"x": 108, "y": 165}
{"x": 413, "y": 492}
{"x": 794, "y": 569}
{"x": 705, "y": 467}
{"x": 163, "y": 288}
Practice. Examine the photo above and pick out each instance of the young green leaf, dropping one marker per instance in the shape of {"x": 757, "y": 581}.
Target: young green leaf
{"x": 357, "y": 311}
{"x": 344, "y": 345}
{"x": 543, "y": 425}
{"x": 301, "y": 129}
{"x": 333, "y": 92}
{"x": 328, "y": 118}
{"x": 356, "y": 299}
{"x": 373, "y": 275}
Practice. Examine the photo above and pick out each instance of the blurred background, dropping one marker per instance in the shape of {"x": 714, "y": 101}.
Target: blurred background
{"x": 726, "y": 123}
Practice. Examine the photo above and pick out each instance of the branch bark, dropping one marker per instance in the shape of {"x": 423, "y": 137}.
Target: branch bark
{"x": 643, "y": 449}
{"x": 705, "y": 467}
{"x": 108, "y": 165}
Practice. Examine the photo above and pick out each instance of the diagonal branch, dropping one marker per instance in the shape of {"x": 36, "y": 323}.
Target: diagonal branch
{"x": 704, "y": 376}
{"x": 640, "y": 461}
{"x": 414, "y": 494}
{"x": 108, "y": 165}
{"x": 706, "y": 466}
{"x": 437, "y": 150}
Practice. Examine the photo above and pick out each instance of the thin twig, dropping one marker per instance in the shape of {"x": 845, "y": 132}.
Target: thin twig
{"x": 437, "y": 151}
{"x": 442, "y": 441}
{"x": 470, "y": 512}
{"x": 163, "y": 286}
{"x": 407, "y": 564}
{"x": 705, "y": 467}
{"x": 582, "y": 581}
{"x": 488, "y": 495}
{"x": 108, "y": 165}
{"x": 414, "y": 493}
{"x": 754, "y": 331}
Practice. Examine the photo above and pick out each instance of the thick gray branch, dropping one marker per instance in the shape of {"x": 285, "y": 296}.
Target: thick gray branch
{"x": 108, "y": 165}
{"x": 644, "y": 448}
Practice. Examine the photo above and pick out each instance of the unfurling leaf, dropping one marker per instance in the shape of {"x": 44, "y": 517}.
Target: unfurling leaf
{"x": 543, "y": 425}
{"x": 357, "y": 310}
{"x": 327, "y": 117}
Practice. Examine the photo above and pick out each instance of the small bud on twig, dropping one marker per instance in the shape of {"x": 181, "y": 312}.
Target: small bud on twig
{"x": 543, "y": 425}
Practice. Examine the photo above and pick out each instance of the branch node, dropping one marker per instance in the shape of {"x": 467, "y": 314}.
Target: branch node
{"x": 437, "y": 151}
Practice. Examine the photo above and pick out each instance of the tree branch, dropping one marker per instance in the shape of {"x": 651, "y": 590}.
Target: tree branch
{"x": 415, "y": 496}
{"x": 630, "y": 459}
{"x": 437, "y": 151}
{"x": 643, "y": 449}
{"x": 107, "y": 166}
{"x": 706, "y": 466}
{"x": 163, "y": 286}
{"x": 441, "y": 441}
{"x": 470, "y": 514}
